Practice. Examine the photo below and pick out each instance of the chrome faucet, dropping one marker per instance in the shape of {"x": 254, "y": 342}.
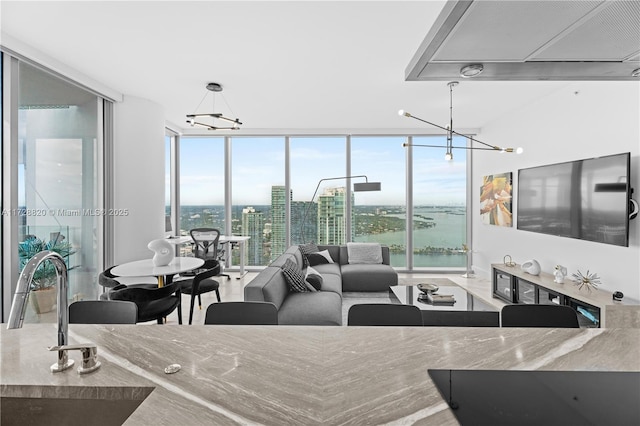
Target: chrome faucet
{"x": 19, "y": 305}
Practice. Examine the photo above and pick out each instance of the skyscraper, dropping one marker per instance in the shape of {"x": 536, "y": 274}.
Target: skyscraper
{"x": 278, "y": 220}
{"x": 252, "y": 226}
{"x": 331, "y": 217}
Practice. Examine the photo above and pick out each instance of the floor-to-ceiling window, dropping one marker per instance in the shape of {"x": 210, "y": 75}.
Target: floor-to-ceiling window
{"x": 201, "y": 183}
{"x": 258, "y": 196}
{"x": 439, "y": 200}
{"x": 380, "y": 216}
{"x": 58, "y": 183}
{"x": 318, "y": 165}
{"x": 168, "y": 142}
{"x": 309, "y": 174}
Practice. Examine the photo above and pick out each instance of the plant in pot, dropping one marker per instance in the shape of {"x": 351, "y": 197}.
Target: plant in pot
{"x": 42, "y": 293}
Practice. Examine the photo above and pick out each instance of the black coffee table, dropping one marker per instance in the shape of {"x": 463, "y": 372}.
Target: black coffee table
{"x": 464, "y": 301}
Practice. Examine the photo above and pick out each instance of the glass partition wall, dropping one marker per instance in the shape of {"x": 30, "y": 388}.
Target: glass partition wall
{"x": 57, "y": 140}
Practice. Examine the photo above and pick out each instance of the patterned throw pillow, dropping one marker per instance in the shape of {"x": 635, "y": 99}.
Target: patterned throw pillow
{"x": 313, "y": 278}
{"x": 320, "y": 258}
{"x": 294, "y": 276}
{"x": 306, "y": 250}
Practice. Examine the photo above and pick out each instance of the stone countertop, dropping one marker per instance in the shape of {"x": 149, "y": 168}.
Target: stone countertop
{"x": 300, "y": 374}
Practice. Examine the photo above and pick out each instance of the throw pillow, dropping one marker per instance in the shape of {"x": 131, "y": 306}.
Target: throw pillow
{"x": 306, "y": 250}
{"x": 367, "y": 253}
{"x": 314, "y": 278}
{"x": 294, "y": 276}
{"x": 320, "y": 258}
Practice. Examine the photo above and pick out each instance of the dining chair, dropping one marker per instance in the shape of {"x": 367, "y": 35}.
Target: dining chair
{"x": 108, "y": 281}
{"x": 439, "y": 318}
{"x": 384, "y": 314}
{"x": 206, "y": 242}
{"x": 103, "y": 312}
{"x": 538, "y": 315}
{"x": 153, "y": 303}
{"x": 242, "y": 313}
{"x": 201, "y": 283}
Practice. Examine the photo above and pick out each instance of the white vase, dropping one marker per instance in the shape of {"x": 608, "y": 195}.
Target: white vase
{"x": 531, "y": 267}
{"x": 164, "y": 251}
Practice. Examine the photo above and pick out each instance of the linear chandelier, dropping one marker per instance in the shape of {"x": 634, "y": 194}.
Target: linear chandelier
{"x": 191, "y": 118}
{"x": 450, "y": 132}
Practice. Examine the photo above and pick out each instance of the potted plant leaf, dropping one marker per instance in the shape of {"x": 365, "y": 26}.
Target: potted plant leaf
{"x": 42, "y": 289}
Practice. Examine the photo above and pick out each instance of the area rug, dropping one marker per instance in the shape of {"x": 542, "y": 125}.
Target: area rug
{"x": 352, "y": 298}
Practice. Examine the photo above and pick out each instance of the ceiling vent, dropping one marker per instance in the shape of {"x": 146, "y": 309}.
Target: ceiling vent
{"x": 531, "y": 40}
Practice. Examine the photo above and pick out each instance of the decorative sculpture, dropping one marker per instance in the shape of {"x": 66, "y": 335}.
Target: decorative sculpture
{"x": 588, "y": 280}
{"x": 531, "y": 267}
{"x": 164, "y": 252}
{"x": 559, "y": 274}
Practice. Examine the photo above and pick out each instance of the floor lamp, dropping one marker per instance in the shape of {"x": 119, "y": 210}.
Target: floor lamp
{"x": 357, "y": 187}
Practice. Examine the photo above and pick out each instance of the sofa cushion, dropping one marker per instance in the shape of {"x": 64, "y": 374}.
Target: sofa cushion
{"x": 319, "y": 258}
{"x": 294, "y": 276}
{"x": 332, "y": 282}
{"x": 313, "y": 278}
{"x": 334, "y": 251}
{"x": 344, "y": 255}
{"x": 306, "y": 250}
{"x": 368, "y": 253}
{"x": 318, "y": 308}
{"x": 279, "y": 261}
{"x": 362, "y": 277}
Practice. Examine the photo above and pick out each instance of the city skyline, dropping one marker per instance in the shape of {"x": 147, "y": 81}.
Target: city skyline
{"x": 258, "y": 164}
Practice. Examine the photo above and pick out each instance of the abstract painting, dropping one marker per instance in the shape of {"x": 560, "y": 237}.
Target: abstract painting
{"x": 495, "y": 199}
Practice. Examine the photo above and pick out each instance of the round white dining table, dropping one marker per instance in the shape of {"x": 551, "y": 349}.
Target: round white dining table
{"x": 145, "y": 268}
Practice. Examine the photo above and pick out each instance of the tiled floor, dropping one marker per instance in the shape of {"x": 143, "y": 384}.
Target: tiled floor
{"x": 231, "y": 290}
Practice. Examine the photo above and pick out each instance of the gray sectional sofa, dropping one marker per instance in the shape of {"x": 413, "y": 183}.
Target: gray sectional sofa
{"x": 323, "y": 307}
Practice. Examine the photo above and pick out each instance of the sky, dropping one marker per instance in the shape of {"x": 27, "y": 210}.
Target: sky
{"x": 258, "y": 163}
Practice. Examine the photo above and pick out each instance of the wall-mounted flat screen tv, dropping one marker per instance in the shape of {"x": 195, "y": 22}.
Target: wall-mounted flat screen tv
{"x": 585, "y": 199}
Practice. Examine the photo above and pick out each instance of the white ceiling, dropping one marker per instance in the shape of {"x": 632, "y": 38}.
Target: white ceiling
{"x": 295, "y": 65}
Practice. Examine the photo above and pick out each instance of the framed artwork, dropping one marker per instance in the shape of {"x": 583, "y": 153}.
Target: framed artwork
{"x": 496, "y": 195}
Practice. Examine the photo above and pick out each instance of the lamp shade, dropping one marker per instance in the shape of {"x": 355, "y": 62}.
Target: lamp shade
{"x": 366, "y": 186}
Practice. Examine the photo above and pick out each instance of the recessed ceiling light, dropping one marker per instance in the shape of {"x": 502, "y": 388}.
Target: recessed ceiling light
{"x": 471, "y": 70}
{"x": 635, "y": 73}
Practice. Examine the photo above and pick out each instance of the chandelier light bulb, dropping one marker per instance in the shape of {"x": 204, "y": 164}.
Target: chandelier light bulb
{"x": 519, "y": 150}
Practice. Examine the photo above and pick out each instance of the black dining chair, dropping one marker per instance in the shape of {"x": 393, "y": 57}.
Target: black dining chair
{"x": 242, "y": 313}
{"x": 108, "y": 281}
{"x": 153, "y": 303}
{"x": 384, "y": 314}
{"x": 437, "y": 318}
{"x": 201, "y": 283}
{"x": 103, "y": 312}
{"x": 538, "y": 315}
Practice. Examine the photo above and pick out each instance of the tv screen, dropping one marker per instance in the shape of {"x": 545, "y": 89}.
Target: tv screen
{"x": 585, "y": 199}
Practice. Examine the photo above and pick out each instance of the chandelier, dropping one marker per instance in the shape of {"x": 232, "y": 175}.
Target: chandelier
{"x": 450, "y": 132}
{"x": 213, "y": 118}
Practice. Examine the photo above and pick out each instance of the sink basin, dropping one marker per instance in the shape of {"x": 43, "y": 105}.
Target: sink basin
{"x": 69, "y": 405}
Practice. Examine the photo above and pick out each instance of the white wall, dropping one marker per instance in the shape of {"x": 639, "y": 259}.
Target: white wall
{"x": 581, "y": 120}
{"x": 139, "y": 177}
